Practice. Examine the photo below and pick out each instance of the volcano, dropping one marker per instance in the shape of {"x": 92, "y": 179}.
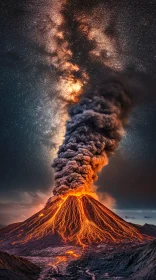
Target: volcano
{"x": 73, "y": 219}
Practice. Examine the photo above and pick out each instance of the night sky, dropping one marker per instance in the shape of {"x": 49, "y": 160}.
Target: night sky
{"x": 33, "y": 105}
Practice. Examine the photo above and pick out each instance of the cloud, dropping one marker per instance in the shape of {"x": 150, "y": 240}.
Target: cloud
{"x": 107, "y": 200}
{"x": 24, "y": 206}
{"x": 132, "y": 218}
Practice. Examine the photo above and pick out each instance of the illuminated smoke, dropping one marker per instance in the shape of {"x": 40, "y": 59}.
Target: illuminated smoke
{"x": 72, "y": 42}
{"x": 96, "y": 123}
{"x": 79, "y": 47}
{"x": 92, "y": 134}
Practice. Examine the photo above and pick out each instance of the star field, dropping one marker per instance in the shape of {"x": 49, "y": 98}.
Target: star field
{"x": 35, "y": 82}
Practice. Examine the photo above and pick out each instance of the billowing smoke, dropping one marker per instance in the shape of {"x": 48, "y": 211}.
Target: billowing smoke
{"x": 93, "y": 132}
{"x": 89, "y": 50}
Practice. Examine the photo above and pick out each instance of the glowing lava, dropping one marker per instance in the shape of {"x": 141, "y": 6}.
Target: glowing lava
{"x": 65, "y": 257}
{"x": 76, "y": 219}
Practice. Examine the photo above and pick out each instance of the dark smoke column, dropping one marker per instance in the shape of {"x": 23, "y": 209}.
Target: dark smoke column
{"x": 92, "y": 134}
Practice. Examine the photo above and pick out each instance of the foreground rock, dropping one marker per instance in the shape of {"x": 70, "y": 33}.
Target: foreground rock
{"x": 123, "y": 261}
{"x": 136, "y": 263}
{"x": 17, "y": 268}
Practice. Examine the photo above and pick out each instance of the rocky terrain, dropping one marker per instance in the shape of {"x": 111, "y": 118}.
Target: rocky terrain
{"x": 137, "y": 263}
{"x": 17, "y": 268}
{"x": 132, "y": 262}
{"x": 129, "y": 261}
{"x": 46, "y": 258}
{"x": 147, "y": 229}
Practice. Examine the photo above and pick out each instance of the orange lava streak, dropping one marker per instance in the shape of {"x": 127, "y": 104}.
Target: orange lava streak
{"x": 78, "y": 218}
{"x": 83, "y": 220}
{"x": 72, "y": 253}
{"x": 67, "y": 256}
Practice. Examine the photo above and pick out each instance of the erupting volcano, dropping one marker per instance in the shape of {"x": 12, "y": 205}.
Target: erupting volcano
{"x": 73, "y": 214}
{"x": 74, "y": 219}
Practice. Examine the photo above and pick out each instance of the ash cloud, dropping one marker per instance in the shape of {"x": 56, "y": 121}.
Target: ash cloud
{"x": 92, "y": 135}
{"x": 27, "y": 62}
{"x": 97, "y": 121}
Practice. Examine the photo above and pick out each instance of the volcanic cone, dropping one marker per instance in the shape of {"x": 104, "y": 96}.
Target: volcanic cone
{"x": 73, "y": 219}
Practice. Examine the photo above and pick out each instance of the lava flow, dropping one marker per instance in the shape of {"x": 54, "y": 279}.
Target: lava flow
{"x": 73, "y": 219}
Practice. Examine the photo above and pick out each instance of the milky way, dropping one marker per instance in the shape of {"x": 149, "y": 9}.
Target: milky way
{"x": 46, "y": 67}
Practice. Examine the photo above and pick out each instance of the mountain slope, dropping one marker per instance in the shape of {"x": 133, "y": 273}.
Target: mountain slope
{"x": 147, "y": 229}
{"x": 73, "y": 219}
{"x": 17, "y": 268}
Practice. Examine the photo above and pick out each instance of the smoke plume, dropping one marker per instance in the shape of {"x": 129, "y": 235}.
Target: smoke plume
{"x": 96, "y": 123}
{"x": 93, "y": 133}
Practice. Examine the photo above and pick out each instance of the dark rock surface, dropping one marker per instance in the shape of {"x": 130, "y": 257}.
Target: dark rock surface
{"x": 127, "y": 261}
{"x": 123, "y": 261}
{"x": 17, "y": 268}
{"x": 147, "y": 229}
{"x": 136, "y": 263}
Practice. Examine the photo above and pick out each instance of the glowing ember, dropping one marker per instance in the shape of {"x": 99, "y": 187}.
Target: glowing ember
{"x": 41, "y": 215}
{"x": 66, "y": 257}
{"x": 72, "y": 253}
